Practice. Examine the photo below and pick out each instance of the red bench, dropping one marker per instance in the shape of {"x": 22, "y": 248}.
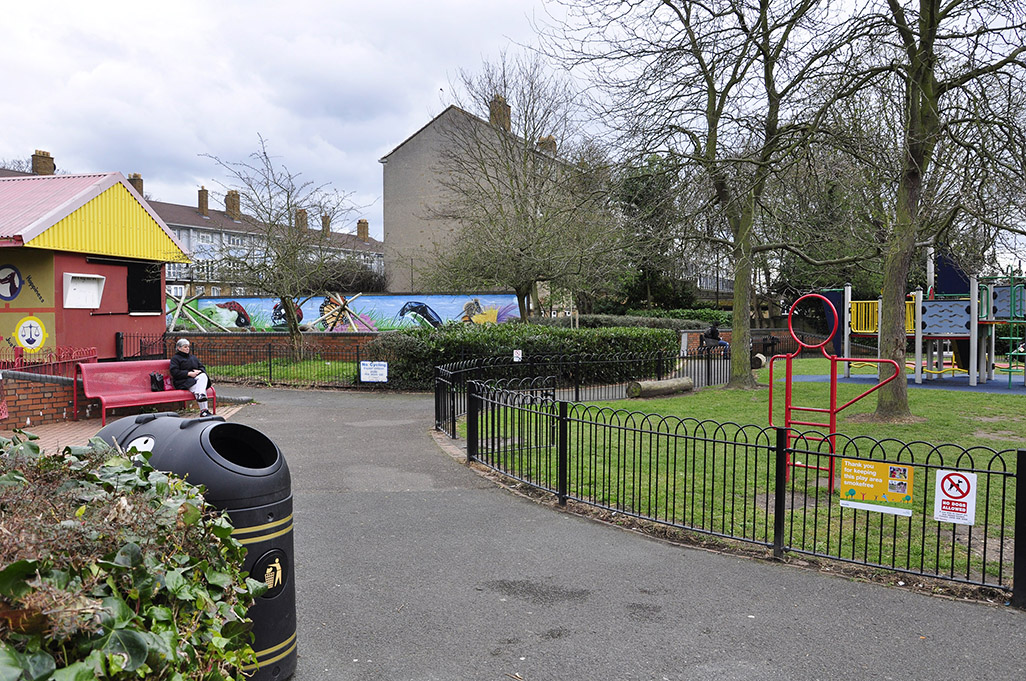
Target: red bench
{"x": 127, "y": 384}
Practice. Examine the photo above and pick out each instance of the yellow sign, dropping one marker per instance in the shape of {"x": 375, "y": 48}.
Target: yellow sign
{"x": 30, "y": 333}
{"x": 870, "y": 484}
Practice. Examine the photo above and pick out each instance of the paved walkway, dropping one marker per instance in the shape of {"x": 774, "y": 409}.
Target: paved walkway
{"x": 411, "y": 566}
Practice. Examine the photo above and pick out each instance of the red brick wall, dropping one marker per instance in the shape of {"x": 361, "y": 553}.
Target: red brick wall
{"x": 252, "y": 347}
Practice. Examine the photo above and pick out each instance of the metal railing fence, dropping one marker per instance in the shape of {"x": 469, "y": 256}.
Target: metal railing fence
{"x": 735, "y": 481}
{"x": 580, "y": 378}
{"x": 59, "y": 361}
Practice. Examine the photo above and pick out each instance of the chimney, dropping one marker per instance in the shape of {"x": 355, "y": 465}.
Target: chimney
{"x": 325, "y": 222}
{"x": 498, "y": 113}
{"x": 203, "y": 210}
{"x": 135, "y": 179}
{"x": 42, "y": 163}
{"x": 231, "y": 205}
{"x": 362, "y": 230}
{"x": 301, "y": 218}
{"x": 547, "y": 145}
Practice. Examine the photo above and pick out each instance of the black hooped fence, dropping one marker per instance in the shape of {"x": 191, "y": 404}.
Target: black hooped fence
{"x": 737, "y": 482}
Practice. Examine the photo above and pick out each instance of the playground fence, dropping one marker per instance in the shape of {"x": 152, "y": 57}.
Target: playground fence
{"x": 732, "y": 481}
{"x": 580, "y": 378}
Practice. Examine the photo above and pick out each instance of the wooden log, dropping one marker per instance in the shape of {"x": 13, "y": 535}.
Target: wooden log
{"x": 667, "y": 386}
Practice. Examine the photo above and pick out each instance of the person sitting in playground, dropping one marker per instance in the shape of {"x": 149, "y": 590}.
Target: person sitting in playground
{"x": 188, "y": 373}
{"x": 712, "y": 336}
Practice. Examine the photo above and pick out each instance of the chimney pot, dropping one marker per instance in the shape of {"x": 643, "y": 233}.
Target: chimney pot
{"x": 498, "y": 113}
{"x": 231, "y": 205}
{"x": 362, "y": 230}
{"x": 135, "y": 179}
{"x": 203, "y": 206}
{"x": 42, "y": 163}
{"x": 301, "y": 222}
{"x": 547, "y": 145}
{"x": 325, "y": 222}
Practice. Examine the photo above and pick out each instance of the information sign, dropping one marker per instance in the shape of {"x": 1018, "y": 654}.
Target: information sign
{"x": 954, "y": 498}
{"x": 374, "y": 372}
{"x": 876, "y": 486}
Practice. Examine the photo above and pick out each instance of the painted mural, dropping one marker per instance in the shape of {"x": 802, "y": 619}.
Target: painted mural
{"x": 26, "y": 300}
{"x": 360, "y": 313}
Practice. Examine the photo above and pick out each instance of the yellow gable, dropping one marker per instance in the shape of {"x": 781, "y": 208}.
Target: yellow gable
{"x": 113, "y": 223}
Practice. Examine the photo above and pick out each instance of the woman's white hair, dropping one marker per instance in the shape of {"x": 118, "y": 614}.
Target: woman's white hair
{"x": 180, "y": 342}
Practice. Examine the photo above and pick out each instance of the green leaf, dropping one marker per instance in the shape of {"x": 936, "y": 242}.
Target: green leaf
{"x": 189, "y": 513}
{"x": 117, "y": 611}
{"x": 12, "y": 478}
{"x": 130, "y": 648}
{"x": 10, "y": 667}
{"x": 178, "y": 585}
{"x": 79, "y": 671}
{"x": 217, "y": 578}
{"x": 130, "y": 555}
{"x": 12, "y": 578}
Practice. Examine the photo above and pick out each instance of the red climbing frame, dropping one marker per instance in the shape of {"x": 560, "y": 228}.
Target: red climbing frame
{"x": 789, "y": 408}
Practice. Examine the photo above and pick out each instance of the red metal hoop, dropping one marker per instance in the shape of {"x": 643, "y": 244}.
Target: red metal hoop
{"x": 790, "y": 327}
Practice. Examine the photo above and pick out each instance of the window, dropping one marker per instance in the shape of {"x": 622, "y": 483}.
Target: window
{"x": 175, "y": 270}
{"x": 215, "y": 291}
{"x": 236, "y": 240}
{"x": 205, "y": 237}
{"x": 144, "y": 293}
{"x": 176, "y": 290}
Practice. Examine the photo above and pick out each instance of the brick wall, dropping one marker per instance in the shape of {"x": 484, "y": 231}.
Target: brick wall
{"x": 252, "y": 347}
{"x": 34, "y": 400}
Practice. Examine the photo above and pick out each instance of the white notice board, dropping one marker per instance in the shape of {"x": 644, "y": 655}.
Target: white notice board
{"x": 374, "y": 372}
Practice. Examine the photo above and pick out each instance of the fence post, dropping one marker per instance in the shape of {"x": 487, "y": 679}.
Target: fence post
{"x": 270, "y": 362}
{"x": 562, "y": 451}
{"x": 1019, "y": 571}
{"x": 708, "y": 366}
{"x": 659, "y": 366}
{"x": 473, "y": 406}
{"x": 119, "y": 345}
{"x": 577, "y": 379}
{"x": 780, "y": 492}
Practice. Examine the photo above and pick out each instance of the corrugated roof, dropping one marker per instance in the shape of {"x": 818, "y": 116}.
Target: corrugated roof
{"x": 32, "y": 204}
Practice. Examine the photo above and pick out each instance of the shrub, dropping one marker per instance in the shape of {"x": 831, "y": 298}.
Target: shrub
{"x": 705, "y": 315}
{"x": 111, "y": 569}
{"x": 597, "y": 321}
{"x": 413, "y": 353}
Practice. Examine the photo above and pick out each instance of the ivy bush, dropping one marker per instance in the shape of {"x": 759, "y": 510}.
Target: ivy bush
{"x": 597, "y": 321}
{"x": 414, "y": 353}
{"x": 111, "y": 569}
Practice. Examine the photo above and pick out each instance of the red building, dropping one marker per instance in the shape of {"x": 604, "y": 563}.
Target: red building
{"x": 81, "y": 258}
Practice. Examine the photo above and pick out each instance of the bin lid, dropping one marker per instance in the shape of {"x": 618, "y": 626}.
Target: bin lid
{"x": 239, "y": 466}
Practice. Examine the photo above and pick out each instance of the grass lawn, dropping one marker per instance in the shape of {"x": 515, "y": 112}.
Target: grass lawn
{"x": 714, "y": 480}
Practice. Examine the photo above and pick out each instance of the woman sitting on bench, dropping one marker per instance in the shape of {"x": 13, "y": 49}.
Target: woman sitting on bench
{"x": 188, "y": 373}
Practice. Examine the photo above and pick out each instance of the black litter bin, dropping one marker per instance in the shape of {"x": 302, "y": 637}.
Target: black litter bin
{"x": 245, "y": 475}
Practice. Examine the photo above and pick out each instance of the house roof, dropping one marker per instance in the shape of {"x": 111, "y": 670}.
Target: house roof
{"x": 189, "y": 216}
{"x": 46, "y": 211}
{"x": 448, "y": 109}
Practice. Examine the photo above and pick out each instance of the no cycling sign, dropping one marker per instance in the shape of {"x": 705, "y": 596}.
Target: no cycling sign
{"x": 954, "y": 498}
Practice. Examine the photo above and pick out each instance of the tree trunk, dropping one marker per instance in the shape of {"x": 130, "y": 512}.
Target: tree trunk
{"x": 740, "y": 326}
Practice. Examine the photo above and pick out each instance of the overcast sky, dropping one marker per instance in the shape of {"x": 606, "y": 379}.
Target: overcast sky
{"x": 332, "y": 85}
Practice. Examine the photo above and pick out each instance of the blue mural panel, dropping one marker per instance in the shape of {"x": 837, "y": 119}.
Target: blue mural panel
{"x": 370, "y": 312}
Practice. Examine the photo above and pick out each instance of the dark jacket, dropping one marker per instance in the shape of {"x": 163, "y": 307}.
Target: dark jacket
{"x": 181, "y": 365}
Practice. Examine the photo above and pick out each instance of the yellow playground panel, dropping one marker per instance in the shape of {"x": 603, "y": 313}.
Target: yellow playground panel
{"x": 865, "y": 316}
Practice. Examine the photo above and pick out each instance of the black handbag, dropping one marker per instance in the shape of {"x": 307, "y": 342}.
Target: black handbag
{"x": 157, "y": 381}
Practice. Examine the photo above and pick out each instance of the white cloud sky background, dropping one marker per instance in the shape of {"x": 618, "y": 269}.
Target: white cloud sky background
{"x": 141, "y": 87}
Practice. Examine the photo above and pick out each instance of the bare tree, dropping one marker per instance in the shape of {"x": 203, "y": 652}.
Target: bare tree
{"x": 949, "y": 64}
{"x": 281, "y": 254}
{"x": 525, "y": 197}
{"x": 734, "y": 88}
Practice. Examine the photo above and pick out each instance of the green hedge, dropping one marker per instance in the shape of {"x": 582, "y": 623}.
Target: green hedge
{"x": 413, "y": 353}
{"x": 704, "y": 315}
{"x": 110, "y": 569}
{"x": 599, "y": 321}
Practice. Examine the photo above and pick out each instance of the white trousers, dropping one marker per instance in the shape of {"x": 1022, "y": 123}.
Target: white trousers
{"x": 200, "y": 389}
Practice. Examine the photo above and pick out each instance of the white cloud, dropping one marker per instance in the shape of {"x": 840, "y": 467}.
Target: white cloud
{"x": 150, "y": 87}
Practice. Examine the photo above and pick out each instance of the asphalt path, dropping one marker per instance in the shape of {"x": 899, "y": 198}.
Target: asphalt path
{"x": 412, "y": 566}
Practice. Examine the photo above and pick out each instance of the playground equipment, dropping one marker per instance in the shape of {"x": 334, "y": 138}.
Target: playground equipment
{"x": 833, "y": 409}
{"x": 970, "y": 324}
